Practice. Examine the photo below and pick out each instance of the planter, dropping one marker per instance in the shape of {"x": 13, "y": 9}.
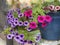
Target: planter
{"x": 9, "y": 42}
{"x": 52, "y": 30}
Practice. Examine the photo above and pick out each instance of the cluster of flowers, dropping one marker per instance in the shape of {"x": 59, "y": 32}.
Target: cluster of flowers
{"x": 52, "y": 8}
{"x": 14, "y": 22}
{"x": 18, "y": 37}
{"x": 44, "y": 20}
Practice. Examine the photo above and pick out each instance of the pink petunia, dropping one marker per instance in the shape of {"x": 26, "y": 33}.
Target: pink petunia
{"x": 57, "y": 8}
{"x": 33, "y": 25}
{"x": 28, "y": 13}
{"x": 51, "y": 7}
{"x": 48, "y": 18}
{"x": 44, "y": 24}
{"x": 41, "y": 19}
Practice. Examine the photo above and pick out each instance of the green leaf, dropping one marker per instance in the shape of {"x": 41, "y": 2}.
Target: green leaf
{"x": 7, "y": 30}
{"x": 15, "y": 14}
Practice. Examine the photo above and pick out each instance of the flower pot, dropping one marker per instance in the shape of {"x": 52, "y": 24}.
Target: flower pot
{"x": 52, "y": 30}
{"x": 9, "y": 41}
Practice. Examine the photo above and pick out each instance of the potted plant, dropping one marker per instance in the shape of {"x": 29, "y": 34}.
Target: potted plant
{"x": 21, "y": 28}
{"x": 50, "y": 29}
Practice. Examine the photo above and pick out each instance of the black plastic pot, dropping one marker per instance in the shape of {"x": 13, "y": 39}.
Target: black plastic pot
{"x": 9, "y": 41}
{"x": 52, "y": 30}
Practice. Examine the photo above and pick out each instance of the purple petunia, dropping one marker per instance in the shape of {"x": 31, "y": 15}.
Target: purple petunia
{"x": 29, "y": 29}
{"x": 20, "y": 23}
{"x": 16, "y": 34}
{"x": 26, "y": 23}
{"x": 15, "y": 19}
{"x": 20, "y": 15}
{"x": 9, "y": 36}
{"x": 13, "y": 33}
{"x": 11, "y": 30}
{"x": 21, "y": 36}
{"x": 16, "y": 23}
{"x": 30, "y": 17}
{"x": 25, "y": 41}
{"x": 10, "y": 12}
{"x": 17, "y": 38}
{"x": 38, "y": 38}
{"x": 21, "y": 41}
{"x": 12, "y": 25}
{"x": 30, "y": 42}
{"x": 18, "y": 11}
{"x": 10, "y": 16}
{"x": 9, "y": 21}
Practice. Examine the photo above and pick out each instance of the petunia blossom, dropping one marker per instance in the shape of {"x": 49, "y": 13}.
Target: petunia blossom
{"x": 51, "y": 7}
{"x": 41, "y": 19}
{"x": 28, "y": 13}
{"x": 33, "y": 25}
{"x": 20, "y": 23}
{"x": 38, "y": 38}
{"x": 44, "y": 24}
{"x": 48, "y": 18}
{"x": 26, "y": 23}
{"x": 21, "y": 36}
{"x": 57, "y": 8}
{"x": 29, "y": 29}
{"x": 20, "y": 15}
{"x": 9, "y": 36}
{"x": 17, "y": 38}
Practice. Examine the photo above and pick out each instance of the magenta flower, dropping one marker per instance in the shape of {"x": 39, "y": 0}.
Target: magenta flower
{"x": 28, "y": 13}
{"x": 57, "y": 8}
{"x": 41, "y": 19}
{"x": 51, "y": 7}
{"x": 48, "y": 18}
{"x": 33, "y": 25}
{"x": 9, "y": 36}
{"x": 44, "y": 24}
